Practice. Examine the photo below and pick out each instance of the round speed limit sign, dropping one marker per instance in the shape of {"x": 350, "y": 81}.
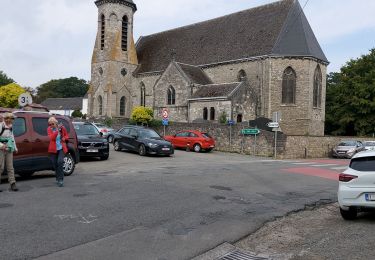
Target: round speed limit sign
{"x": 24, "y": 99}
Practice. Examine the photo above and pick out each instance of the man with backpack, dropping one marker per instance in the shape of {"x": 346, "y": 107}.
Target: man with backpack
{"x": 7, "y": 148}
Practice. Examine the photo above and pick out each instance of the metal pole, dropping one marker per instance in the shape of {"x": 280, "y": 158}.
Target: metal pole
{"x": 230, "y": 135}
{"x": 275, "y": 144}
{"x": 255, "y": 143}
{"x": 164, "y": 130}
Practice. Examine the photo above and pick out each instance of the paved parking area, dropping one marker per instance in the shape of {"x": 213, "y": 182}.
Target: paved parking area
{"x": 133, "y": 207}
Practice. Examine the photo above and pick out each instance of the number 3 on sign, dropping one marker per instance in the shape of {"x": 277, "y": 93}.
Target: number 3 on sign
{"x": 24, "y": 99}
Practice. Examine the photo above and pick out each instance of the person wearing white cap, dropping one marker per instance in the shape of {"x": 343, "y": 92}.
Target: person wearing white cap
{"x": 7, "y": 148}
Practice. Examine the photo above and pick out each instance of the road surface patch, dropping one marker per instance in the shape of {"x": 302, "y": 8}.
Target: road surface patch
{"x": 316, "y": 172}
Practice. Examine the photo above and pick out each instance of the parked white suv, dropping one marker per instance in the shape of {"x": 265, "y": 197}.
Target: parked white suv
{"x": 357, "y": 185}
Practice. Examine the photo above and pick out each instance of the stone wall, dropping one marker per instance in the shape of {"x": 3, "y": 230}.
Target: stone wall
{"x": 230, "y": 139}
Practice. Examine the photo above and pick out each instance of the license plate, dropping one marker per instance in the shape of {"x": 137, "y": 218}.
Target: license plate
{"x": 165, "y": 149}
{"x": 341, "y": 152}
{"x": 370, "y": 197}
{"x": 92, "y": 150}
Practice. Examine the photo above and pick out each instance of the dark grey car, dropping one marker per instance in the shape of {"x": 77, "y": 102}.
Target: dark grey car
{"x": 346, "y": 149}
{"x": 141, "y": 140}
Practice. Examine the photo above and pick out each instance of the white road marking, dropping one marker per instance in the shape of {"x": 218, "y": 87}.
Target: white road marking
{"x": 340, "y": 168}
{"x": 323, "y": 165}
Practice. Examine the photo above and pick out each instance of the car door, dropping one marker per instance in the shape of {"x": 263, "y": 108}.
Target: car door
{"x": 40, "y": 141}
{"x": 181, "y": 139}
{"x": 23, "y": 160}
{"x": 132, "y": 139}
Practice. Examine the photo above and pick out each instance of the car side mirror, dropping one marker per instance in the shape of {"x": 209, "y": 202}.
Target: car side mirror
{"x": 101, "y": 134}
{"x": 134, "y": 136}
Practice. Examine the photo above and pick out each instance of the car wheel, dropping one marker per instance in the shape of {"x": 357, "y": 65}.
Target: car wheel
{"x": 197, "y": 148}
{"x": 110, "y": 139}
{"x": 142, "y": 150}
{"x": 116, "y": 146}
{"x": 25, "y": 174}
{"x": 69, "y": 165}
{"x": 349, "y": 214}
{"x": 104, "y": 157}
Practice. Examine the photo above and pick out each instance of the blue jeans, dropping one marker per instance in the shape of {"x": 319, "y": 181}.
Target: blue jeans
{"x": 58, "y": 163}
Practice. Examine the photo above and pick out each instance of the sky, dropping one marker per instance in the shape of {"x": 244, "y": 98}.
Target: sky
{"x": 42, "y": 40}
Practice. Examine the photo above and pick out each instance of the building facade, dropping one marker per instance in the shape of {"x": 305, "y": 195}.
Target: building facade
{"x": 243, "y": 65}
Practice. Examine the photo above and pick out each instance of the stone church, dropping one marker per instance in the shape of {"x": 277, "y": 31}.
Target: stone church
{"x": 243, "y": 65}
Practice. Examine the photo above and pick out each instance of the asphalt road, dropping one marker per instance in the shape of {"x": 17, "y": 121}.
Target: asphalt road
{"x": 133, "y": 207}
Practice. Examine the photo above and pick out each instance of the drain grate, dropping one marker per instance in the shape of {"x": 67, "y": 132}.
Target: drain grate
{"x": 238, "y": 255}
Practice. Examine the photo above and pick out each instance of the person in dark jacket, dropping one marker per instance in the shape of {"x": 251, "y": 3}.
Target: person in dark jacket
{"x": 57, "y": 148}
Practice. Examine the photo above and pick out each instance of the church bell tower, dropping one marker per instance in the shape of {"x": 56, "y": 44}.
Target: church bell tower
{"x": 114, "y": 58}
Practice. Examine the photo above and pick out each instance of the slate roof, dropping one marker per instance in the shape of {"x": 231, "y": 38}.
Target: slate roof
{"x": 63, "y": 103}
{"x": 215, "y": 90}
{"x": 276, "y": 29}
{"x": 195, "y": 74}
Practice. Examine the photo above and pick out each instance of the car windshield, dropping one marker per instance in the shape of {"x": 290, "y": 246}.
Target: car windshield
{"x": 364, "y": 164}
{"x": 206, "y": 135}
{"x": 369, "y": 143}
{"x": 348, "y": 143}
{"x": 83, "y": 129}
{"x": 143, "y": 134}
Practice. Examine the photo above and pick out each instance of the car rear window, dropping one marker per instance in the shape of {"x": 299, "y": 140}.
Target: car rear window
{"x": 363, "y": 164}
{"x": 349, "y": 143}
{"x": 369, "y": 143}
{"x": 206, "y": 135}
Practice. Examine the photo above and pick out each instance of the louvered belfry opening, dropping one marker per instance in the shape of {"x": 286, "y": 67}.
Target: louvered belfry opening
{"x": 124, "y": 39}
{"x": 102, "y": 32}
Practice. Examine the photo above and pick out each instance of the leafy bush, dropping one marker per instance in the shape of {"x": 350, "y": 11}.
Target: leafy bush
{"x": 223, "y": 117}
{"x": 142, "y": 115}
{"x": 108, "y": 121}
{"x": 9, "y": 95}
{"x": 77, "y": 114}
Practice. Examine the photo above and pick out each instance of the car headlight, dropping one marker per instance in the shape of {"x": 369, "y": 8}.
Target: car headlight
{"x": 352, "y": 150}
{"x": 152, "y": 145}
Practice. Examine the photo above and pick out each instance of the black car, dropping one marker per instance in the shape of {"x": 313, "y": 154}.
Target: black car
{"x": 90, "y": 141}
{"x": 141, "y": 140}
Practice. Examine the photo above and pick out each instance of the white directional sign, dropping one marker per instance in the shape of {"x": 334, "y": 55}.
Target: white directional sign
{"x": 273, "y": 124}
{"x": 24, "y": 99}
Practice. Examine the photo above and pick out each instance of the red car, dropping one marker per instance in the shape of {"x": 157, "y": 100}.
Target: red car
{"x": 195, "y": 140}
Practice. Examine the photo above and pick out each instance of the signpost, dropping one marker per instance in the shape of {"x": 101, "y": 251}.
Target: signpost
{"x": 230, "y": 123}
{"x": 276, "y": 117}
{"x": 25, "y": 99}
{"x": 165, "y": 121}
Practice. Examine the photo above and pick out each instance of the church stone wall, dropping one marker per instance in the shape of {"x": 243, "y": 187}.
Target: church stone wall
{"x": 149, "y": 82}
{"x": 196, "y": 109}
{"x": 172, "y": 77}
{"x": 297, "y": 119}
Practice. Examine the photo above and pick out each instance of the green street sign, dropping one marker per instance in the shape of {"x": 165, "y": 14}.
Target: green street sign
{"x": 252, "y": 131}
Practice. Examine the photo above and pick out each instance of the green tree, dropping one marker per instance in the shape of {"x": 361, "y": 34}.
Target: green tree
{"x": 142, "y": 115}
{"x": 350, "y": 106}
{"x": 9, "y": 95}
{"x": 77, "y": 114}
{"x": 62, "y": 88}
{"x": 4, "y": 79}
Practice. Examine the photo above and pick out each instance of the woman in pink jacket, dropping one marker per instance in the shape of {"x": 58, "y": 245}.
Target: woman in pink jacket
{"x": 57, "y": 148}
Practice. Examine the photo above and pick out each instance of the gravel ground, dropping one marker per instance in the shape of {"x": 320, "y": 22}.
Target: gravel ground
{"x": 315, "y": 233}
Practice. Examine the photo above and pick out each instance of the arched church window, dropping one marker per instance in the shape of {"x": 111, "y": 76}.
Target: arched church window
{"x": 212, "y": 113}
{"x": 317, "y": 93}
{"x": 205, "y": 113}
{"x": 289, "y": 86}
{"x": 100, "y": 105}
{"x": 124, "y": 39}
{"x": 143, "y": 94}
{"x": 241, "y": 75}
{"x": 171, "y": 96}
{"x": 102, "y": 33}
{"x": 122, "y": 106}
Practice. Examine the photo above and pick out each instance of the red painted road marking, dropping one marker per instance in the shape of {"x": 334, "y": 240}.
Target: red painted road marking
{"x": 330, "y": 161}
{"x": 317, "y": 172}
